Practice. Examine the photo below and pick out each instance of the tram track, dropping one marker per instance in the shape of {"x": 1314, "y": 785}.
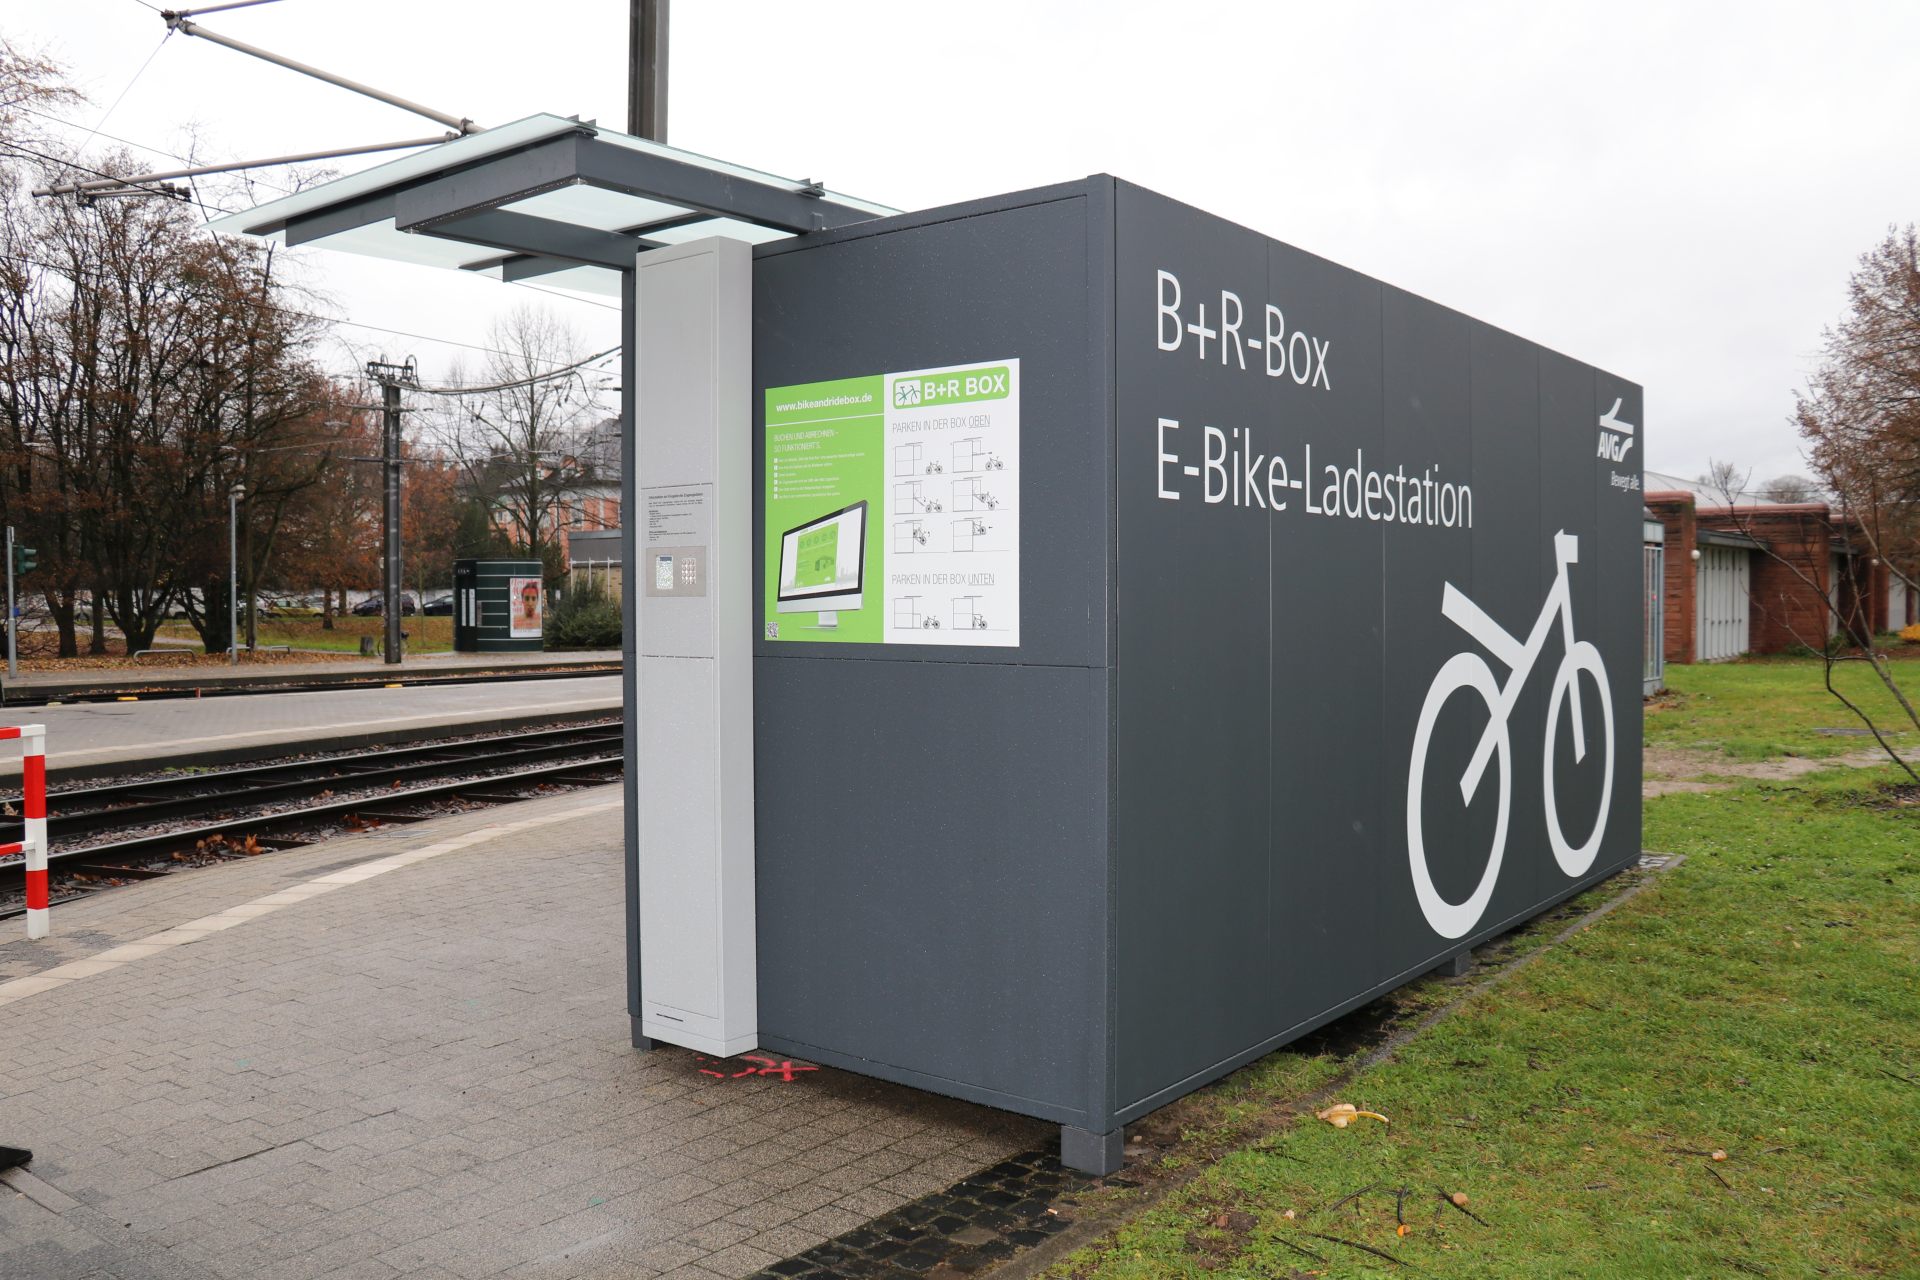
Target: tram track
{"x": 104, "y": 835}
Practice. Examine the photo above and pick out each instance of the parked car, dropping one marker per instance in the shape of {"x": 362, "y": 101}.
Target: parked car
{"x": 375, "y": 606}
{"x": 438, "y": 607}
{"x": 288, "y": 607}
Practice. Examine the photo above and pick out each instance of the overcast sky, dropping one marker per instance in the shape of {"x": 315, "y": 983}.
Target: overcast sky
{"x": 1674, "y": 192}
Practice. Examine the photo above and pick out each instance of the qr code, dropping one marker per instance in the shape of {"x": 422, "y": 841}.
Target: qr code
{"x": 773, "y": 631}
{"x": 906, "y": 392}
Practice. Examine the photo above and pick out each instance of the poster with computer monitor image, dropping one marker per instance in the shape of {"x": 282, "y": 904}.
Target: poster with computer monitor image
{"x": 932, "y": 459}
{"x": 823, "y": 566}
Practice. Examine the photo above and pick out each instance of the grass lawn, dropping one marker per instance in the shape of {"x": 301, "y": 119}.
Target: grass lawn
{"x": 1762, "y": 999}
{"x": 1755, "y": 710}
{"x": 424, "y": 635}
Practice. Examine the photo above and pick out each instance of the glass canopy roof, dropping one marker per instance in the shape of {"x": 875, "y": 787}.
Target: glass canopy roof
{"x": 548, "y": 197}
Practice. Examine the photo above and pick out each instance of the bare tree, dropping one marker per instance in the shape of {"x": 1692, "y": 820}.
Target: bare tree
{"x": 1860, "y": 413}
{"x": 30, "y": 83}
{"x": 523, "y": 438}
{"x": 1847, "y": 615}
{"x": 1790, "y": 489}
{"x": 147, "y": 367}
{"x": 331, "y": 534}
{"x": 1723, "y": 477}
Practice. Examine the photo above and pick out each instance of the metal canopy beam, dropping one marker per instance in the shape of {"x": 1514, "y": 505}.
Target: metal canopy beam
{"x": 724, "y": 195}
{"x": 524, "y": 233}
{"x": 547, "y": 165}
{"x": 322, "y": 223}
{"x": 544, "y": 166}
{"x": 530, "y": 266}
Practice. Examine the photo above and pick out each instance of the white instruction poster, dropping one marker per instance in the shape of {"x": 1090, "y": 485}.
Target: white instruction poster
{"x": 953, "y": 506}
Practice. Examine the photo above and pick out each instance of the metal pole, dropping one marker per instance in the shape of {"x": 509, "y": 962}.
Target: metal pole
{"x": 233, "y": 576}
{"x": 390, "y": 523}
{"x": 252, "y": 604}
{"x": 33, "y": 809}
{"x": 647, "y": 70}
{"x": 13, "y": 614}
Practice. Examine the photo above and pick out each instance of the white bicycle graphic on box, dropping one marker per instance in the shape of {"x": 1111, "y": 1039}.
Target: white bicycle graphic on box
{"x": 1470, "y": 671}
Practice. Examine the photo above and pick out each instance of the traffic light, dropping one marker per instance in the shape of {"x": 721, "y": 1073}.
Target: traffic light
{"x": 25, "y": 559}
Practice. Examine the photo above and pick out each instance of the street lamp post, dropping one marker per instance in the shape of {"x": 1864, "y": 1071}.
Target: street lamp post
{"x": 234, "y": 495}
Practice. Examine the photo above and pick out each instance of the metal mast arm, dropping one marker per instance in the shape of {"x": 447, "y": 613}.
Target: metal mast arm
{"x": 98, "y": 185}
{"x": 178, "y": 22}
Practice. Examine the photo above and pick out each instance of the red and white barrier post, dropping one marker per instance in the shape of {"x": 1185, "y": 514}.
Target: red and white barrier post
{"x": 33, "y": 806}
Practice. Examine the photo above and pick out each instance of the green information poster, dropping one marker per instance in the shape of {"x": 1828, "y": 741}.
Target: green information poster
{"x": 893, "y": 508}
{"x": 823, "y": 458}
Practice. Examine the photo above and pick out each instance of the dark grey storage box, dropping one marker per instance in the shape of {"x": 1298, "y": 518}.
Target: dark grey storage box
{"x": 1168, "y": 832}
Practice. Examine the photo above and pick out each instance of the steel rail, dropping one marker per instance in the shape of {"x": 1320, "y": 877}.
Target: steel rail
{"x": 133, "y": 803}
{"x": 278, "y": 828}
{"x": 480, "y": 747}
{"x": 87, "y": 803}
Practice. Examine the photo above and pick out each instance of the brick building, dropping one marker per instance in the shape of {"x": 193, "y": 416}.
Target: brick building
{"x": 1764, "y": 577}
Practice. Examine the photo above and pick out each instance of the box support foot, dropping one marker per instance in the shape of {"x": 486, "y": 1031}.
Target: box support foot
{"x": 1095, "y": 1153}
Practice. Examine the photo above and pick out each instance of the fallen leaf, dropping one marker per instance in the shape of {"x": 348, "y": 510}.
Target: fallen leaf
{"x": 1459, "y": 1199}
{"x": 1718, "y": 1155}
{"x": 1342, "y": 1114}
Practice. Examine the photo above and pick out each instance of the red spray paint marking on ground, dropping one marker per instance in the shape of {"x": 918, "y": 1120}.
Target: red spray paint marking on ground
{"x": 784, "y": 1070}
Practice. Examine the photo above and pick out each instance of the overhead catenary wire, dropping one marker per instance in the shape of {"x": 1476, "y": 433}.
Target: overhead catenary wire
{"x": 121, "y": 96}
{"x": 310, "y": 315}
{"x": 211, "y": 8}
{"x": 15, "y": 147}
{"x": 217, "y": 209}
{"x": 521, "y": 284}
{"x": 313, "y": 315}
{"x": 144, "y": 146}
{"x": 528, "y": 381}
{"x": 177, "y": 20}
{"x": 105, "y": 186}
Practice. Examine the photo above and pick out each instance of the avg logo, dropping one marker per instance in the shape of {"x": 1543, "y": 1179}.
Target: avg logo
{"x": 1616, "y": 436}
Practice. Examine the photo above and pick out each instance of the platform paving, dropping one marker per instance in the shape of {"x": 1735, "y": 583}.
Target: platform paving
{"x": 404, "y": 1053}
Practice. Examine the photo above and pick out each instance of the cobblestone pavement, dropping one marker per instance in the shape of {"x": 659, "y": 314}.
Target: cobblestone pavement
{"x": 420, "y": 1069}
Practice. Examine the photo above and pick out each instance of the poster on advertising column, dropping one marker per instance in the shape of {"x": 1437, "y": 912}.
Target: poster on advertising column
{"x": 893, "y": 508}
{"x": 523, "y": 601}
